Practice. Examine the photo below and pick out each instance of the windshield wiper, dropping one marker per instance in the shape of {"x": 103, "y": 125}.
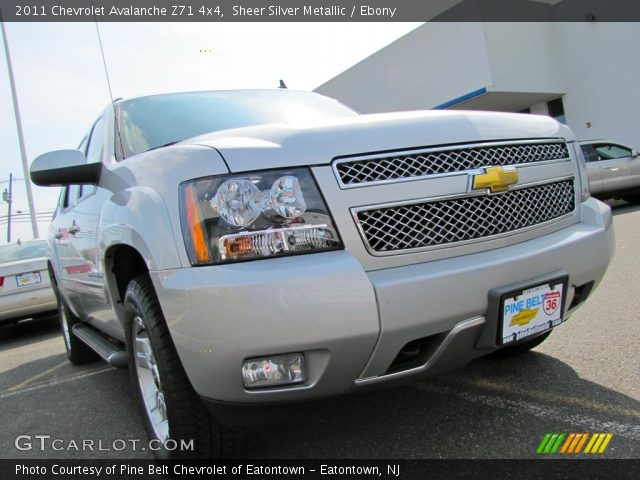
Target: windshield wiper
{"x": 161, "y": 146}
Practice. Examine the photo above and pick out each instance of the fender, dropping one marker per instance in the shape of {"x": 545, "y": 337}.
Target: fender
{"x": 134, "y": 217}
{"x": 140, "y": 210}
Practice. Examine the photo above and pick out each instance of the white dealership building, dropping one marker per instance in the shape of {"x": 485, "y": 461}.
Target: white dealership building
{"x": 585, "y": 74}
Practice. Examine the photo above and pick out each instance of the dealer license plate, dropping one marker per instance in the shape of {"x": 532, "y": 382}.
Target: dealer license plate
{"x": 532, "y": 310}
{"x": 26, "y": 279}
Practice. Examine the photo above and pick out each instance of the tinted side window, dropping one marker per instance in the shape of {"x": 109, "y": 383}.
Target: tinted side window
{"x": 86, "y": 190}
{"x": 71, "y": 195}
{"x": 94, "y": 152}
{"x": 590, "y": 154}
{"x": 610, "y": 151}
{"x": 83, "y": 144}
{"x": 61, "y": 200}
{"x": 96, "y": 144}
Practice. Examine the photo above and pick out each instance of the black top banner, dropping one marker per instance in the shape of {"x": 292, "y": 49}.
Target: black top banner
{"x": 320, "y": 10}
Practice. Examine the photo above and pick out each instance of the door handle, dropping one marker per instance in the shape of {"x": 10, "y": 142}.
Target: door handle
{"x": 609, "y": 167}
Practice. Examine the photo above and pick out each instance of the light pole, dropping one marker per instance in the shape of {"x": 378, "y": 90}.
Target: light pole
{"x": 7, "y": 197}
{"x": 16, "y": 111}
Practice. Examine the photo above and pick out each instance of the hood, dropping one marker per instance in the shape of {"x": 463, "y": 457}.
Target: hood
{"x": 289, "y": 145}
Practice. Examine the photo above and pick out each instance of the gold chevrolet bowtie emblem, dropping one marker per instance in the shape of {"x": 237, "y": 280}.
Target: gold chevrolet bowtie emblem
{"x": 497, "y": 179}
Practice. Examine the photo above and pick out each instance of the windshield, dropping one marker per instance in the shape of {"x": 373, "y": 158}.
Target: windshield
{"x": 13, "y": 252}
{"x": 151, "y": 122}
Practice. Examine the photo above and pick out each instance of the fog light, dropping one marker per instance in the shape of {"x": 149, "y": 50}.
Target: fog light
{"x": 271, "y": 371}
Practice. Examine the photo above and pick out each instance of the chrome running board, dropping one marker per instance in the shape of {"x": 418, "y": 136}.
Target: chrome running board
{"x": 111, "y": 353}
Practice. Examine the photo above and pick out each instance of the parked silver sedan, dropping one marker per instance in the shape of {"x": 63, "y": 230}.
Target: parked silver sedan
{"x": 613, "y": 169}
{"x": 25, "y": 286}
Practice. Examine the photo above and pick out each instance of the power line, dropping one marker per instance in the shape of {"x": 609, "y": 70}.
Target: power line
{"x": 13, "y": 180}
{"x": 19, "y": 220}
{"x": 14, "y": 222}
{"x": 27, "y": 214}
{"x": 44, "y": 214}
{"x": 25, "y": 220}
{"x": 14, "y": 217}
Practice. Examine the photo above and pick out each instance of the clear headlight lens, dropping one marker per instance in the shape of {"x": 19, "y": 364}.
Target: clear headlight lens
{"x": 286, "y": 197}
{"x": 237, "y": 202}
{"x": 582, "y": 170}
{"x": 255, "y": 215}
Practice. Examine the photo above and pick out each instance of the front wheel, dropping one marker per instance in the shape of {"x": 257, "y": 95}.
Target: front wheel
{"x": 170, "y": 407}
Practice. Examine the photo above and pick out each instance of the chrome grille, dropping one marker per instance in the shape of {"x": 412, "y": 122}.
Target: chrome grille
{"x": 467, "y": 218}
{"x": 421, "y": 163}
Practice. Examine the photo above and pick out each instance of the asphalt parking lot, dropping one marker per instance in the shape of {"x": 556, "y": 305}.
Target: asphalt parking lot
{"x": 584, "y": 378}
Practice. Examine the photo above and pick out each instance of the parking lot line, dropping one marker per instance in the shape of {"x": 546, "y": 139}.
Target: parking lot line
{"x": 551, "y": 412}
{"x": 555, "y": 398}
{"x": 10, "y": 392}
{"x": 37, "y": 376}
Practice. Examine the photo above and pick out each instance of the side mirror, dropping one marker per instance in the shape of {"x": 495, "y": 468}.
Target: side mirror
{"x": 635, "y": 153}
{"x": 64, "y": 167}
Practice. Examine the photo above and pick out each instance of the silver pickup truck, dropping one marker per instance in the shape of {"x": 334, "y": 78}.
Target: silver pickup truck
{"x": 613, "y": 170}
{"x": 248, "y": 248}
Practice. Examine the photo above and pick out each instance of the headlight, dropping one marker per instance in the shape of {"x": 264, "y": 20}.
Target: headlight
{"x": 582, "y": 169}
{"x": 255, "y": 215}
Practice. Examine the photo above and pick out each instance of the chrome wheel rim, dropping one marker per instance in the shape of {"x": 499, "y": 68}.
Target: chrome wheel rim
{"x": 149, "y": 381}
{"x": 65, "y": 329}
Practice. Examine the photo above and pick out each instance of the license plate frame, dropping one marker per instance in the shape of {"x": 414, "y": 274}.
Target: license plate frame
{"x": 530, "y": 324}
{"x": 28, "y": 279}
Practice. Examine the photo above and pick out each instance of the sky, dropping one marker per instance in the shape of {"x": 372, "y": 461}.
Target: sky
{"x": 62, "y": 87}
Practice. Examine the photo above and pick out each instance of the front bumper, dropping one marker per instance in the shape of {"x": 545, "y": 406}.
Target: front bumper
{"x": 351, "y": 324}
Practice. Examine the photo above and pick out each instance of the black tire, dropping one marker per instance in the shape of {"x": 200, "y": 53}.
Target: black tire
{"x": 520, "y": 348}
{"x": 188, "y": 418}
{"x": 78, "y": 352}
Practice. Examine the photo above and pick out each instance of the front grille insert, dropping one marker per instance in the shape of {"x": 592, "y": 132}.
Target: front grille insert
{"x": 421, "y": 163}
{"x": 419, "y": 225}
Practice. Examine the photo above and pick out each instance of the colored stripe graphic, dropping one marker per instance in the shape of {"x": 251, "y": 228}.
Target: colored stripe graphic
{"x": 596, "y": 445}
{"x": 543, "y": 443}
{"x": 555, "y": 447}
{"x": 582, "y": 440}
{"x": 550, "y": 443}
{"x": 604, "y": 445}
{"x": 573, "y": 443}
{"x": 577, "y": 439}
{"x": 591, "y": 443}
{"x": 599, "y": 443}
{"x": 567, "y": 443}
